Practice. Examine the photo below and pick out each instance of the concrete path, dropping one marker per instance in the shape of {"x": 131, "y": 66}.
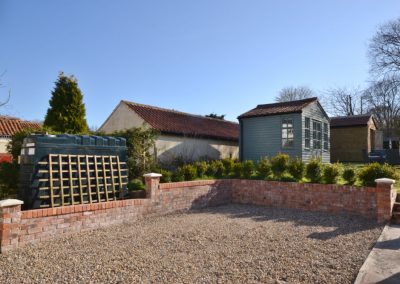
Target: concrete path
{"x": 383, "y": 263}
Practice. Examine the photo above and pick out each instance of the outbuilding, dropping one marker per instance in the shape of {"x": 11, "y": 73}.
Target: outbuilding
{"x": 298, "y": 128}
{"x": 353, "y": 137}
{"x": 182, "y": 136}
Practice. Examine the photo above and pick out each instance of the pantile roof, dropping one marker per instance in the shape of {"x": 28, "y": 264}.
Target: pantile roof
{"x": 11, "y": 125}
{"x": 179, "y": 123}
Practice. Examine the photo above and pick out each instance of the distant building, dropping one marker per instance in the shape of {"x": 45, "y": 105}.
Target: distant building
{"x": 298, "y": 128}
{"x": 8, "y": 127}
{"x": 182, "y": 135}
{"x": 353, "y": 137}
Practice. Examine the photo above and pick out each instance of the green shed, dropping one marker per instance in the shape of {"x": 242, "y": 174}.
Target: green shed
{"x": 298, "y": 128}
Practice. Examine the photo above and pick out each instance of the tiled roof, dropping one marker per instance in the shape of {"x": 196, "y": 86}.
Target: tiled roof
{"x": 278, "y": 108}
{"x": 179, "y": 123}
{"x": 348, "y": 121}
{"x": 11, "y": 125}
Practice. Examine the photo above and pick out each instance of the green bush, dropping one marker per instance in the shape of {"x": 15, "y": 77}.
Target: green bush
{"x": 166, "y": 176}
{"x": 237, "y": 170}
{"x": 178, "y": 175}
{"x": 331, "y": 173}
{"x": 349, "y": 175}
{"x": 211, "y": 169}
{"x": 264, "y": 168}
{"x": 201, "y": 168}
{"x": 248, "y": 169}
{"x": 296, "y": 168}
{"x": 314, "y": 170}
{"x": 9, "y": 174}
{"x": 189, "y": 172}
{"x": 279, "y": 164}
{"x": 135, "y": 184}
{"x": 228, "y": 165}
{"x": 370, "y": 173}
{"x": 218, "y": 168}
{"x": 288, "y": 177}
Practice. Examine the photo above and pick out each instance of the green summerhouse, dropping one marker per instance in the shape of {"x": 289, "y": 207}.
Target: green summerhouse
{"x": 298, "y": 128}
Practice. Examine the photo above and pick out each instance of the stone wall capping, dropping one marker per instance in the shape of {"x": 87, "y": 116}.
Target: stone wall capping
{"x": 10, "y": 202}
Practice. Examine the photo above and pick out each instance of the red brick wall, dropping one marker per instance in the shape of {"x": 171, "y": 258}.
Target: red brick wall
{"x": 18, "y": 228}
{"x": 312, "y": 197}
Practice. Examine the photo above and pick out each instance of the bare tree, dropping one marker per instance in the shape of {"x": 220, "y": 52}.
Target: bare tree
{"x": 2, "y": 103}
{"x": 383, "y": 99}
{"x": 294, "y": 93}
{"x": 343, "y": 101}
{"x": 384, "y": 49}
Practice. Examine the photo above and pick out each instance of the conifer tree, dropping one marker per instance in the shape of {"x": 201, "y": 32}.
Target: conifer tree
{"x": 66, "y": 113}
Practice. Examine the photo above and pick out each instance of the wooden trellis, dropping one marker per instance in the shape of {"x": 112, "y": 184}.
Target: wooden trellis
{"x": 79, "y": 179}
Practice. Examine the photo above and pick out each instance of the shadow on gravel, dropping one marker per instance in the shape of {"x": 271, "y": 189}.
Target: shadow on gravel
{"x": 340, "y": 224}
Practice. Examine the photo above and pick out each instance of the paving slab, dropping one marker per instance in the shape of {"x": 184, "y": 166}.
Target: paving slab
{"x": 383, "y": 263}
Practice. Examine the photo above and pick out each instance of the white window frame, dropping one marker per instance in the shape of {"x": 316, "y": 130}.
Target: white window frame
{"x": 287, "y": 133}
{"x": 317, "y": 134}
{"x": 307, "y": 129}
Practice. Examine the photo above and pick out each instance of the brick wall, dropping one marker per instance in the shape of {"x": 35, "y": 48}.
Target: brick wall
{"x": 18, "y": 228}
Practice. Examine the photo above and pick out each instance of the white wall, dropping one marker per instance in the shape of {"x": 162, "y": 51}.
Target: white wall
{"x": 3, "y": 145}
{"x": 122, "y": 118}
{"x": 170, "y": 147}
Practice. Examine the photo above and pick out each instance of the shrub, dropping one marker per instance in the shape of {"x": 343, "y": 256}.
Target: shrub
{"x": 349, "y": 175}
{"x": 279, "y": 164}
{"x": 331, "y": 173}
{"x": 296, "y": 168}
{"x": 373, "y": 171}
{"x": 9, "y": 174}
{"x": 237, "y": 170}
{"x": 218, "y": 168}
{"x": 201, "y": 168}
{"x": 178, "y": 175}
{"x": 314, "y": 170}
{"x": 215, "y": 169}
{"x": 288, "y": 177}
{"x": 166, "y": 176}
{"x": 189, "y": 172}
{"x": 264, "y": 168}
{"x": 228, "y": 165}
{"x": 248, "y": 168}
{"x": 135, "y": 184}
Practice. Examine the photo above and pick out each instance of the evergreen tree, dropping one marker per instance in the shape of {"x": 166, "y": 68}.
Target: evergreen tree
{"x": 66, "y": 113}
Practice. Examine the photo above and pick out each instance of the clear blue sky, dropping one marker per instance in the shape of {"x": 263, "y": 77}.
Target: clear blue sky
{"x": 196, "y": 56}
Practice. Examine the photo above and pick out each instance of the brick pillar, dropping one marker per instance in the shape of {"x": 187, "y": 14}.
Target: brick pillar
{"x": 152, "y": 181}
{"x": 385, "y": 198}
{"x": 10, "y": 217}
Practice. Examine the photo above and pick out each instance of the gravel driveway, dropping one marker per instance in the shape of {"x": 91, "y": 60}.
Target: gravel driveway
{"x": 226, "y": 244}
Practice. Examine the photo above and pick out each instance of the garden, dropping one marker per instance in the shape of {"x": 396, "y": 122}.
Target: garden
{"x": 141, "y": 143}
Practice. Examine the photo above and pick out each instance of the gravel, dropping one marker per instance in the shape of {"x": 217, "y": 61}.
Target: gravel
{"x": 226, "y": 244}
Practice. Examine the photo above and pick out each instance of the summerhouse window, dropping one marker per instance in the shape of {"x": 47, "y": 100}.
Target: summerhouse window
{"x": 287, "y": 133}
{"x": 326, "y": 137}
{"x": 307, "y": 133}
{"x": 317, "y": 135}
